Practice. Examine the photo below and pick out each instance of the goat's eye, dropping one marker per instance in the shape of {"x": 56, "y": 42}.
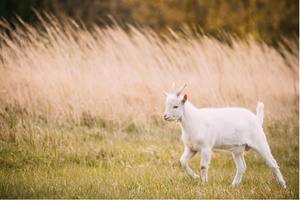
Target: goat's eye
{"x": 175, "y": 106}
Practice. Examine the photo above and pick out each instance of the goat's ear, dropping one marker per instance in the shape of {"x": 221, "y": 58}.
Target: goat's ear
{"x": 184, "y": 99}
{"x": 165, "y": 93}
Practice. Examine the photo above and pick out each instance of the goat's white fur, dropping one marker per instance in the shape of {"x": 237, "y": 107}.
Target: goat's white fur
{"x": 232, "y": 129}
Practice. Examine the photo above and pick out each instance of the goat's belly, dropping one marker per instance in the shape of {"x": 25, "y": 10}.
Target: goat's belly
{"x": 234, "y": 148}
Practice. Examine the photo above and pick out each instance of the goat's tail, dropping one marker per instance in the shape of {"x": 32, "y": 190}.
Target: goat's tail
{"x": 260, "y": 112}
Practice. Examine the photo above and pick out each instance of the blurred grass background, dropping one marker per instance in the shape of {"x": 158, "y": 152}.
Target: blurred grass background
{"x": 263, "y": 19}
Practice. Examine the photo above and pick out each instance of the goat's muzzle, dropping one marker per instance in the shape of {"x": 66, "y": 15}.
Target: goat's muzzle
{"x": 166, "y": 117}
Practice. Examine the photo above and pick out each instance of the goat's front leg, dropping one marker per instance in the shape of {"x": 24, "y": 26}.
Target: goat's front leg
{"x": 205, "y": 160}
{"x": 185, "y": 158}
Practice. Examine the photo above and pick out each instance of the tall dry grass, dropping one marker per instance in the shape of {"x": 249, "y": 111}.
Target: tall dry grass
{"x": 64, "y": 70}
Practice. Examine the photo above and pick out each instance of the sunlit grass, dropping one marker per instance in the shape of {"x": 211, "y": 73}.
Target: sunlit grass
{"x": 63, "y": 70}
{"x": 81, "y": 162}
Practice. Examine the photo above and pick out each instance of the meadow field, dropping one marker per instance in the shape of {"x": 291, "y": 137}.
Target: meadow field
{"x": 81, "y": 111}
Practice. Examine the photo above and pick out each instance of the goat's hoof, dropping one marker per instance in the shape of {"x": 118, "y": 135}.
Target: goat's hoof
{"x": 234, "y": 184}
{"x": 196, "y": 177}
{"x": 283, "y": 185}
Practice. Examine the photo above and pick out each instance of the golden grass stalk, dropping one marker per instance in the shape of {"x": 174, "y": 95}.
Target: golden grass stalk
{"x": 65, "y": 70}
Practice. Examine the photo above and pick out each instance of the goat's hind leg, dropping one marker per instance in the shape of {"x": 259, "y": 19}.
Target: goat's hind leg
{"x": 185, "y": 158}
{"x": 241, "y": 167}
{"x": 264, "y": 151}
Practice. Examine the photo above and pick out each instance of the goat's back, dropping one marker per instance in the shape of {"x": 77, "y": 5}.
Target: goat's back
{"x": 232, "y": 126}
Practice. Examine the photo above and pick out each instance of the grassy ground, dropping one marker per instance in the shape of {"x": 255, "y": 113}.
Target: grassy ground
{"x": 80, "y": 111}
{"x": 50, "y": 160}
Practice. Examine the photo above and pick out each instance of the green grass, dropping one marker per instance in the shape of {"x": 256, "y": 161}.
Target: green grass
{"x": 95, "y": 158}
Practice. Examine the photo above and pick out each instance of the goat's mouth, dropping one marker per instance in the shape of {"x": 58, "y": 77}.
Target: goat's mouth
{"x": 168, "y": 119}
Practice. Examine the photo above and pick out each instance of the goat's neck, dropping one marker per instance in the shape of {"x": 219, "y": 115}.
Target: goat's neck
{"x": 187, "y": 118}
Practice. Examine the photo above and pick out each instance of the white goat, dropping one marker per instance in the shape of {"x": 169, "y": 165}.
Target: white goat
{"x": 232, "y": 129}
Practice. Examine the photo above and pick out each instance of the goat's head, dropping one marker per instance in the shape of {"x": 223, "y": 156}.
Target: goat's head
{"x": 174, "y": 104}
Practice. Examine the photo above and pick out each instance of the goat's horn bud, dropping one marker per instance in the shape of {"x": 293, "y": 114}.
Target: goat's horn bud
{"x": 172, "y": 88}
{"x": 180, "y": 90}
